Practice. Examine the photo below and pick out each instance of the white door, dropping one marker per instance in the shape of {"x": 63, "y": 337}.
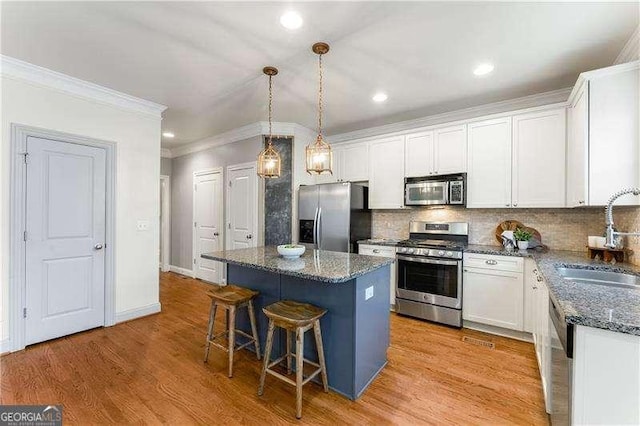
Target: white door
{"x": 418, "y": 151}
{"x": 208, "y": 222}
{"x": 65, "y": 225}
{"x": 450, "y": 150}
{"x": 386, "y": 173}
{"x": 539, "y": 145}
{"x": 489, "y": 175}
{"x": 242, "y": 206}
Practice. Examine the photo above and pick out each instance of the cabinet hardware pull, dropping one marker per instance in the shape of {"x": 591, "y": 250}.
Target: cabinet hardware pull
{"x": 491, "y": 262}
{"x": 376, "y": 251}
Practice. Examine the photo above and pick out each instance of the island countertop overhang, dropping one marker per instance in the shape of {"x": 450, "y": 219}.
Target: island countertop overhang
{"x": 317, "y": 265}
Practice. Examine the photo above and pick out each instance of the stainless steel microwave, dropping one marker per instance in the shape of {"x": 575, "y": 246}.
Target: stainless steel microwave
{"x": 436, "y": 190}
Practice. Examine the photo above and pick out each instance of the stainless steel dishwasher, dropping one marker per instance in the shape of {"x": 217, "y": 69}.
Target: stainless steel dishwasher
{"x": 561, "y": 366}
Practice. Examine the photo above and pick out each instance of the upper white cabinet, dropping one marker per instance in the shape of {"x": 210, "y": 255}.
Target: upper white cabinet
{"x": 350, "y": 163}
{"x": 386, "y": 173}
{"x": 419, "y": 155}
{"x": 578, "y": 149}
{"x": 450, "y": 150}
{"x": 436, "y": 152}
{"x": 489, "y": 163}
{"x": 354, "y": 164}
{"x": 538, "y": 175}
{"x": 604, "y": 135}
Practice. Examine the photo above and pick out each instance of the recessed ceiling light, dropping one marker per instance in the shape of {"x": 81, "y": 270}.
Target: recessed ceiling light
{"x": 379, "y": 97}
{"x": 168, "y": 135}
{"x": 483, "y": 69}
{"x": 291, "y": 20}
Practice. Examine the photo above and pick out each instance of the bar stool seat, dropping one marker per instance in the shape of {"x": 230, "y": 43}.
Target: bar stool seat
{"x": 231, "y": 298}
{"x": 294, "y": 317}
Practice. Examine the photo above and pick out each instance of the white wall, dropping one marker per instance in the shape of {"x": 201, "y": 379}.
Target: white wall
{"x": 137, "y": 136}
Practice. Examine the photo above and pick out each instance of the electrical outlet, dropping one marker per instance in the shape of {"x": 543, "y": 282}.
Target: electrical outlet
{"x": 143, "y": 225}
{"x": 368, "y": 293}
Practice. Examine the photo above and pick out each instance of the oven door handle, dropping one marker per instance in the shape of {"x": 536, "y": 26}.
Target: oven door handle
{"x": 427, "y": 260}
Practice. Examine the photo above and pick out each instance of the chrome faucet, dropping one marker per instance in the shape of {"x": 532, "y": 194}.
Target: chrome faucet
{"x": 608, "y": 212}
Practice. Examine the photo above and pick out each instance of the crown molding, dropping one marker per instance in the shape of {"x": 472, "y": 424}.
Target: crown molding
{"x": 39, "y": 76}
{"x": 241, "y": 133}
{"x": 631, "y": 50}
{"x": 554, "y": 97}
{"x": 590, "y": 75}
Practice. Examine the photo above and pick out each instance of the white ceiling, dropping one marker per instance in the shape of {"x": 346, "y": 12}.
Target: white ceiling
{"x": 204, "y": 59}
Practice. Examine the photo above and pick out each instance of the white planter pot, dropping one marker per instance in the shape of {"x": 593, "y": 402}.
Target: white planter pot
{"x": 523, "y": 245}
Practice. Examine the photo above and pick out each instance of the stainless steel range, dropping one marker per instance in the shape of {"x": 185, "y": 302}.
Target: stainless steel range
{"x": 430, "y": 271}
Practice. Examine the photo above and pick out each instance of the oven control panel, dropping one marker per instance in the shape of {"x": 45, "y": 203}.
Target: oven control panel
{"x": 430, "y": 252}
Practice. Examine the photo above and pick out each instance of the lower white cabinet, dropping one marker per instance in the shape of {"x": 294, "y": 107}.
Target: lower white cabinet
{"x": 384, "y": 251}
{"x": 493, "y": 294}
{"x": 537, "y": 323}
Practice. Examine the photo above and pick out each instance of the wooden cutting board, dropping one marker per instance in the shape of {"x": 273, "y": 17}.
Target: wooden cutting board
{"x": 512, "y": 225}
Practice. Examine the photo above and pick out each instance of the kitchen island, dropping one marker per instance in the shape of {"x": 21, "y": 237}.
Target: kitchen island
{"x": 353, "y": 288}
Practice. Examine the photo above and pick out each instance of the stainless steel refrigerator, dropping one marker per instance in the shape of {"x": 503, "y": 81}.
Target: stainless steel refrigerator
{"x": 334, "y": 216}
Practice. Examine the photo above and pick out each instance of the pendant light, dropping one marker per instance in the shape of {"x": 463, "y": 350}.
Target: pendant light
{"x": 319, "y": 154}
{"x": 269, "y": 159}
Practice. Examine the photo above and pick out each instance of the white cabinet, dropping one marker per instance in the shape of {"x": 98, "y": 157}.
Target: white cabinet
{"x": 354, "y": 162}
{"x": 538, "y": 176}
{"x": 450, "y": 150}
{"x": 384, "y": 251}
{"x": 578, "y": 149}
{"x": 419, "y": 157}
{"x": 489, "y": 163}
{"x": 493, "y": 294}
{"x": 536, "y": 322}
{"x": 350, "y": 163}
{"x": 386, "y": 173}
{"x": 436, "y": 152}
{"x": 604, "y": 129}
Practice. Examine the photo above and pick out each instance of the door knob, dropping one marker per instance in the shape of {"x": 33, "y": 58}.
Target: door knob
{"x": 98, "y": 247}
{"x": 249, "y": 237}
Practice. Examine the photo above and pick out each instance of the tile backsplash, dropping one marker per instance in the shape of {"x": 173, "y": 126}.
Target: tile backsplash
{"x": 627, "y": 219}
{"x": 561, "y": 229}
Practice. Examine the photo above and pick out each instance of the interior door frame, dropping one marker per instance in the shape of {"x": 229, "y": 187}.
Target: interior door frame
{"x": 194, "y": 239}
{"x": 250, "y": 165}
{"x": 165, "y": 223}
{"x": 17, "y": 219}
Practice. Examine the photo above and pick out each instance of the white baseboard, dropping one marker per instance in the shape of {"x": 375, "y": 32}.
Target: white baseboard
{"x": 182, "y": 271}
{"x": 5, "y": 346}
{"x": 499, "y": 331}
{"x": 134, "y": 313}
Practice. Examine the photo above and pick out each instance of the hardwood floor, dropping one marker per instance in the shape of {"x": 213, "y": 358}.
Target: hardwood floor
{"x": 150, "y": 371}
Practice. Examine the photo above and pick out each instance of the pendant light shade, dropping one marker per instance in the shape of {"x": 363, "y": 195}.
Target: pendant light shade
{"x": 269, "y": 160}
{"x": 319, "y": 154}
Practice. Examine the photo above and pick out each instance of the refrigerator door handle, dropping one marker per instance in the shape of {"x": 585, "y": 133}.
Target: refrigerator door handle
{"x": 315, "y": 227}
{"x": 319, "y": 227}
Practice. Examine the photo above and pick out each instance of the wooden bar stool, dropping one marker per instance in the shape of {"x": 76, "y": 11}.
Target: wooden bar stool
{"x": 296, "y": 318}
{"x": 231, "y": 298}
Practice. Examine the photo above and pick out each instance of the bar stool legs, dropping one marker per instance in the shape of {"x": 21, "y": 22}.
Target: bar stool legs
{"x": 294, "y": 317}
{"x": 231, "y": 298}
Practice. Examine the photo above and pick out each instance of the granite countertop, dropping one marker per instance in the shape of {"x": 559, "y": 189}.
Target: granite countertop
{"x": 592, "y": 305}
{"x": 316, "y": 265}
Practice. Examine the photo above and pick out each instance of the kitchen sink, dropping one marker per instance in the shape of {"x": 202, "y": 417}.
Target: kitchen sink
{"x": 606, "y": 278}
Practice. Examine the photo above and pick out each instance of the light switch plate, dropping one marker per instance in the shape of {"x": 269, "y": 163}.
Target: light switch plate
{"x": 143, "y": 225}
{"x": 368, "y": 293}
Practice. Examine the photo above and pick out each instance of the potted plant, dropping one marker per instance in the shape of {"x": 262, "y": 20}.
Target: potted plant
{"x": 522, "y": 237}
